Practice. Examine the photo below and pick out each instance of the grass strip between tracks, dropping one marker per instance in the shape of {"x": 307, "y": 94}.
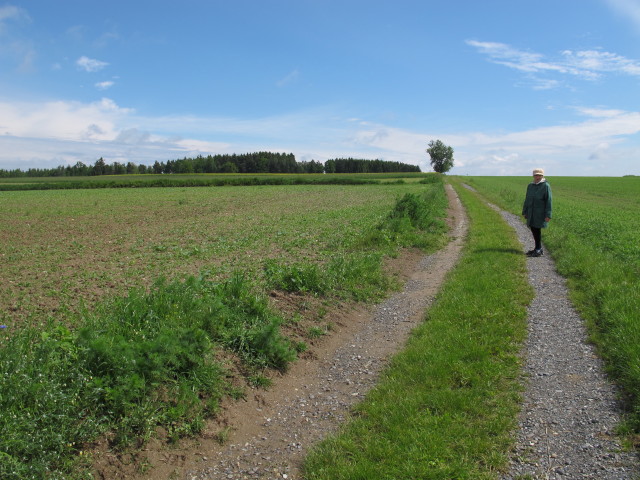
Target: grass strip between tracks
{"x": 446, "y": 407}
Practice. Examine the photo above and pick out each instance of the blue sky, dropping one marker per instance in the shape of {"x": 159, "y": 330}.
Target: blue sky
{"x": 509, "y": 84}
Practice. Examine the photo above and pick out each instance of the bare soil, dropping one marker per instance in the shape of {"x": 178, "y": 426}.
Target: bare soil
{"x": 266, "y": 435}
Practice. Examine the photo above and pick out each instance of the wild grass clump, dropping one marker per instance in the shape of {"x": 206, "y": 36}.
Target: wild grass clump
{"x": 357, "y": 276}
{"x": 431, "y": 178}
{"x": 301, "y": 277}
{"x": 139, "y": 362}
{"x": 47, "y": 405}
{"x": 416, "y": 220}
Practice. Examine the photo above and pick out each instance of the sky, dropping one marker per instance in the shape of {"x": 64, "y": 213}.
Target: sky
{"x": 510, "y": 85}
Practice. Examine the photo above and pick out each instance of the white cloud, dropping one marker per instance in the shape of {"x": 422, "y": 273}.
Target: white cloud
{"x": 54, "y": 133}
{"x": 595, "y": 62}
{"x": 104, "y": 85}
{"x": 11, "y": 12}
{"x": 90, "y": 65}
{"x": 133, "y": 136}
{"x": 61, "y": 120}
{"x": 586, "y": 64}
{"x": 567, "y": 148}
{"x": 504, "y": 54}
{"x": 599, "y": 112}
{"x": 44, "y": 135}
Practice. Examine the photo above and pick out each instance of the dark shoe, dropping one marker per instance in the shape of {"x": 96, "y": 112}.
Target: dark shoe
{"x": 537, "y": 253}
{"x": 530, "y": 253}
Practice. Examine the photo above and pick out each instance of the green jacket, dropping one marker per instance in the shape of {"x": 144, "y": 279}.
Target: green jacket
{"x": 537, "y": 204}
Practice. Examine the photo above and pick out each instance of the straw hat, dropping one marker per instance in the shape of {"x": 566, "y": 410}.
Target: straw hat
{"x": 538, "y": 171}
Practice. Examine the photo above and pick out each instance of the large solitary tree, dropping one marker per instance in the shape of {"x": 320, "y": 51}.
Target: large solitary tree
{"x": 441, "y": 156}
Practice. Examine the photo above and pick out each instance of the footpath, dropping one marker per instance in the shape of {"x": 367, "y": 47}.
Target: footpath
{"x": 570, "y": 409}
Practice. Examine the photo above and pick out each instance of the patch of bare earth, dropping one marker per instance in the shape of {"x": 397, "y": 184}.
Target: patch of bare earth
{"x": 266, "y": 435}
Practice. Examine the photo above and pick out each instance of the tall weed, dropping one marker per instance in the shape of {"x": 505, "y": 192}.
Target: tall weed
{"x": 142, "y": 361}
{"x": 414, "y": 221}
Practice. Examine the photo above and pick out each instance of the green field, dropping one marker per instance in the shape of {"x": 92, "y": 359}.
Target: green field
{"x": 61, "y": 247}
{"x": 97, "y": 343}
{"x": 126, "y": 310}
{"x": 200, "y": 180}
{"x": 600, "y": 211}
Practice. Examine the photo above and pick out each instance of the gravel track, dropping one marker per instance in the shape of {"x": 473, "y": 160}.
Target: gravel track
{"x": 570, "y": 410}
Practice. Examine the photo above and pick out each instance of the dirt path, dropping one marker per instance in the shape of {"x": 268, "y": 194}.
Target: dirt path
{"x": 270, "y": 432}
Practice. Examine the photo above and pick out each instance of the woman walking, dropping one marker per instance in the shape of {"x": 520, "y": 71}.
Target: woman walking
{"x": 537, "y": 209}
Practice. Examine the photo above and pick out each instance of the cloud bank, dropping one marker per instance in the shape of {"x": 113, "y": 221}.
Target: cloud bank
{"x": 45, "y": 135}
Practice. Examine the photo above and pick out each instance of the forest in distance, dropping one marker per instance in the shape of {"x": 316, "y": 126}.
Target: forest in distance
{"x": 257, "y": 162}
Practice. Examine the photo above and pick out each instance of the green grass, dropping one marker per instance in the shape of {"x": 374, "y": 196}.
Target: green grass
{"x": 354, "y": 271}
{"x": 158, "y": 357}
{"x": 446, "y": 406}
{"x": 593, "y": 238}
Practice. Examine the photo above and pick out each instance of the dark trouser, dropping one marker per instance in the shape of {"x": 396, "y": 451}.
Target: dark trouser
{"x": 537, "y": 237}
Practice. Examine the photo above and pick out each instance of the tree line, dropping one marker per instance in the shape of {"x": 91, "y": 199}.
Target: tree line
{"x": 258, "y": 162}
{"x": 356, "y": 165}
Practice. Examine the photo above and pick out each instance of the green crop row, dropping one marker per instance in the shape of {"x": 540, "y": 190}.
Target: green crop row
{"x": 593, "y": 238}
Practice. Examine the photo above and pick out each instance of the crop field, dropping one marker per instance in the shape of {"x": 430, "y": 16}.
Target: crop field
{"x": 199, "y": 179}
{"x": 63, "y": 247}
{"x": 126, "y": 310}
{"x": 593, "y": 238}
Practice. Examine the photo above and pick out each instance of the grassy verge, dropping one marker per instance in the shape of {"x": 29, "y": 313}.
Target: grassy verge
{"x": 156, "y": 358}
{"x": 593, "y": 240}
{"x": 446, "y": 406}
